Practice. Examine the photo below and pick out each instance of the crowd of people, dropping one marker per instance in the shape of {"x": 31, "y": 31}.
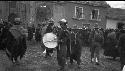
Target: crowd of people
{"x": 70, "y": 41}
{"x": 97, "y": 38}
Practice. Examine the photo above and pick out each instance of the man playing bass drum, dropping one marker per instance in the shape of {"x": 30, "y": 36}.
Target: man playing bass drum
{"x": 49, "y": 29}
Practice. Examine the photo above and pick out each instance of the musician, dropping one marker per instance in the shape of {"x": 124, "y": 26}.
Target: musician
{"x": 49, "y": 29}
{"x": 121, "y": 44}
{"x": 63, "y": 36}
{"x": 17, "y": 23}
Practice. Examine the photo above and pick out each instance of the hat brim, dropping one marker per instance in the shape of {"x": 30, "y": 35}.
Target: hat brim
{"x": 62, "y": 22}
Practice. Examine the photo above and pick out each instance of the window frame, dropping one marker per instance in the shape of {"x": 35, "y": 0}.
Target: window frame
{"x": 97, "y": 15}
{"x": 82, "y": 13}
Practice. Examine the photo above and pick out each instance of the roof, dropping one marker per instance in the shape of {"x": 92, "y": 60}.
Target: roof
{"x": 92, "y": 3}
{"x": 116, "y": 13}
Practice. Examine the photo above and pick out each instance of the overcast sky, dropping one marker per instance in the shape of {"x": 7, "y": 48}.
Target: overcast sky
{"x": 117, "y": 4}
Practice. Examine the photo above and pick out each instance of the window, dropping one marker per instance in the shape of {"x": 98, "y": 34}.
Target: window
{"x": 78, "y": 12}
{"x": 12, "y": 4}
{"x": 95, "y": 14}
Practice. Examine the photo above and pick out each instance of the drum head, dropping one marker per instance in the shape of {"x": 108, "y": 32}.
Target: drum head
{"x": 50, "y": 40}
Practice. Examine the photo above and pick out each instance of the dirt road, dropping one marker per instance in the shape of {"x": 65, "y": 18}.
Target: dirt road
{"x": 34, "y": 61}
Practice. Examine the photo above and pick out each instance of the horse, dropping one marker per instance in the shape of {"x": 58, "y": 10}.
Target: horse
{"x": 14, "y": 48}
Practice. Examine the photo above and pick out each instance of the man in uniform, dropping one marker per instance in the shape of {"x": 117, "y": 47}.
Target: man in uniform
{"x": 62, "y": 48}
{"x": 96, "y": 43}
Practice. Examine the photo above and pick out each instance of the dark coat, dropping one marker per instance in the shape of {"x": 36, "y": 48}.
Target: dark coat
{"x": 110, "y": 45}
{"x": 30, "y": 33}
{"x": 38, "y": 35}
{"x": 75, "y": 49}
{"x": 62, "y": 47}
{"x": 122, "y": 47}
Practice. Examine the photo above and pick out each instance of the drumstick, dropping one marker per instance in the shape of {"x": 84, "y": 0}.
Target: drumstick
{"x": 51, "y": 41}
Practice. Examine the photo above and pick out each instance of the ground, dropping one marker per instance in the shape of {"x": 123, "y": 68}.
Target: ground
{"x": 34, "y": 61}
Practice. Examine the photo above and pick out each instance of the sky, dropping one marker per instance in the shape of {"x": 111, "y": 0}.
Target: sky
{"x": 117, "y": 4}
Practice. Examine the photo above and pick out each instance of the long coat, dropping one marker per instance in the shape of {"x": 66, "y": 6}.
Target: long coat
{"x": 62, "y": 47}
{"x": 122, "y": 48}
{"x": 75, "y": 47}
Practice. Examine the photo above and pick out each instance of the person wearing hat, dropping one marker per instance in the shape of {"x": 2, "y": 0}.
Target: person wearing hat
{"x": 16, "y": 24}
{"x": 63, "y": 44}
{"x": 96, "y": 26}
{"x": 121, "y": 44}
{"x": 49, "y": 29}
{"x": 63, "y": 24}
{"x": 50, "y": 26}
{"x": 96, "y": 40}
{"x": 17, "y": 21}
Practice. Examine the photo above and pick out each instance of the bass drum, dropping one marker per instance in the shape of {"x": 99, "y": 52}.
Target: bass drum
{"x": 50, "y": 40}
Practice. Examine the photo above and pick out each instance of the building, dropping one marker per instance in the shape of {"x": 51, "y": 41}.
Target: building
{"x": 114, "y": 15}
{"x": 85, "y": 13}
{"x": 78, "y": 12}
{"x": 81, "y": 13}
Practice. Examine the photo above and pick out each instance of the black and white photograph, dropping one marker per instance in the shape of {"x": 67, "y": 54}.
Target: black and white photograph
{"x": 62, "y": 35}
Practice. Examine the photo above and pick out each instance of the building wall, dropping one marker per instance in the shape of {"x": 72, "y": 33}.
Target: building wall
{"x": 112, "y": 23}
{"x": 69, "y": 9}
{"x": 58, "y": 13}
{"x": 66, "y": 10}
{"x": 3, "y": 10}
